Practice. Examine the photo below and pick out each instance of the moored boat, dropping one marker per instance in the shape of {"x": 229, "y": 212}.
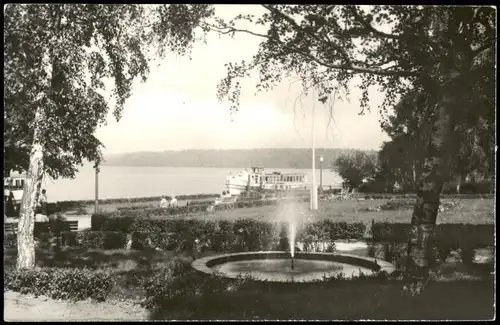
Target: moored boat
{"x": 255, "y": 179}
{"x": 14, "y": 183}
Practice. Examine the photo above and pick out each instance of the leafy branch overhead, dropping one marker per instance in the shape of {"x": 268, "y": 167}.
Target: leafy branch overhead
{"x": 61, "y": 57}
{"x": 394, "y": 47}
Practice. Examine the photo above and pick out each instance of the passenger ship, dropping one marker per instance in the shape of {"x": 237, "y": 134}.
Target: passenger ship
{"x": 14, "y": 183}
{"x": 257, "y": 179}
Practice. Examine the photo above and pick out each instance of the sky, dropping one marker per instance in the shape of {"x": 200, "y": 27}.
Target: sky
{"x": 177, "y": 107}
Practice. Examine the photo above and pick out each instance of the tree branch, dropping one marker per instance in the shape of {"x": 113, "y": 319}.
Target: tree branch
{"x": 292, "y": 22}
{"x": 229, "y": 29}
{"x": 368, "y": 26}
{"x": 349, "y": 67}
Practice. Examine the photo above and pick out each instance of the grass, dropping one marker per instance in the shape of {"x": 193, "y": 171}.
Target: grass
{"x": 328, "y": 301}
{"x": 130, "y": 266}
{"x": 476, "y": 211}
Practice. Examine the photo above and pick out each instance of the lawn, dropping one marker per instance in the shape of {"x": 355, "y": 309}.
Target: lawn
{"x": 477, "y": 211}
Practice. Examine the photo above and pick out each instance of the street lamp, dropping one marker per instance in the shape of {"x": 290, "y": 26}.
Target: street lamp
{"x": 321, "y": 174}
{"x": 96, "y": 166}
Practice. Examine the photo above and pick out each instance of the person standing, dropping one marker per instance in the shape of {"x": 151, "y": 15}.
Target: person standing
{"x": 43, "y": 202}
{"x": 173, "y": 202}
{"x": 163, "y": 203}
{"x": 10, "y": 209}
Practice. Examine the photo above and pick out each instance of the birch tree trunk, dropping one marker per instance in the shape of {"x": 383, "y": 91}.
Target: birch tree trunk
{"x": 423, "y": 221}
{"x": 25, "y": 233}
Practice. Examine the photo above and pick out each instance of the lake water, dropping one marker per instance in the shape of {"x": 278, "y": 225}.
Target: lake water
{"x": 128, "y": 182}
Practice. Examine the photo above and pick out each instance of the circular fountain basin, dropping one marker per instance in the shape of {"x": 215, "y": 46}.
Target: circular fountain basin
{"x": 277, "y": 266}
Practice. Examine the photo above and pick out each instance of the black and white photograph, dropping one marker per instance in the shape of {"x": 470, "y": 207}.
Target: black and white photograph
{"x": 249, "y": 162}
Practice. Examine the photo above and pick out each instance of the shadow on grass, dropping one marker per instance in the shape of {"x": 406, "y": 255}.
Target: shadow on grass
{"x": 120, "y": 260}
{"x": 341, "y": 301}
{"x": 131, "y": 267}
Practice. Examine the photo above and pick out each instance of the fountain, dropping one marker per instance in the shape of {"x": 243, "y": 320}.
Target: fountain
{"x": 292, "y": 266}
{"x": 292, "y": 228}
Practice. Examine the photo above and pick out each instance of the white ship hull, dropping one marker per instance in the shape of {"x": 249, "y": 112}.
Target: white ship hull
{"x": 14, "y": 184}
{"x": 256, "y": 179}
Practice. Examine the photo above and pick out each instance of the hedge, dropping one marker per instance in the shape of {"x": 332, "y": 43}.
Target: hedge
{"x": 197, "y": 208}
{"x": 450, "y": 235}
{"x": 83, "y": 239}
{"x": 66, "y": 205}
{"x": 186, "y": 234}
{"x": 483, "y": 187}
{"x": 60, "y": 283}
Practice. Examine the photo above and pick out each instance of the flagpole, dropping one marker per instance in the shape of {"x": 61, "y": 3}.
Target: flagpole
{"x": 313, "y": 205}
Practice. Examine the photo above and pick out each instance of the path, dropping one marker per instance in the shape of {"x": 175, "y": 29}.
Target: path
{"x": 18, "y": 307}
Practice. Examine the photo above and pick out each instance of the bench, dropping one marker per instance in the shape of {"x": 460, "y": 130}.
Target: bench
{"x": 10, "y": 227}
{"x": 43, "y": 227}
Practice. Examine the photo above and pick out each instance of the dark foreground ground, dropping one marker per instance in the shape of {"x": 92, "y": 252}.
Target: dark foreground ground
{"x": 459, "y": 300}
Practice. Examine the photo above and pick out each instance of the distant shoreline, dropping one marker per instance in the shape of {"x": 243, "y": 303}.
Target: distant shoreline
{"x": 282, "y": 158}
{"x": 194, "y": 197}
{"x": 237, "y": 167}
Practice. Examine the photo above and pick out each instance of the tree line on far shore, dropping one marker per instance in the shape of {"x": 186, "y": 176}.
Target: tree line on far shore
{"x": 268, "y": 158}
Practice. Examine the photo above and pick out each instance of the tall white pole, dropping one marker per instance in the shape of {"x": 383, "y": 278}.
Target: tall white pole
{"x": 96, "y": 207}
{"x": 313, "y": 205}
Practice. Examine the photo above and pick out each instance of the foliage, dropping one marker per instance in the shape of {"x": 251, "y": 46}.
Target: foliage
{"x": 355, "y": 168}
{"x": 60, "y": 283}
{"x": 449, "y": 235}
{"x": 60, "y": 206}
{"x": 58, "y": 58}
{"x": 220, "y": 235}
{"x": 486, "y": 186}
{"x": 226, "y": 236}
{"x": 468, "y": 189}
{"x": 401, "y": 159}
{"x": 176, "y": 283}
{"x": 375, "y": 186}
{"x": 200, "y": 207}
{"x": 326, "y": 46}
{"x": 82, "y": 239}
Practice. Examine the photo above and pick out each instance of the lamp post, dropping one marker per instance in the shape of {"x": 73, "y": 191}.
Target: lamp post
{"x": 96, "y": 166}
{"x": 321, "y": 174}
{"x": 314, "y": 188}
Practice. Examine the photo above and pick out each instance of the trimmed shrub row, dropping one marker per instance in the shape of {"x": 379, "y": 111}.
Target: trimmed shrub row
{"x": 83, "y": 239}
{"x": 202, "y": 207}
{"x": 449, "y": 235}
{"x": 66, "y": 205}
{"x": 483, "y": 187}
{"x": 218, "y": 235}
{"x": 251, "y": 235}
{"x": 60, "y": 283}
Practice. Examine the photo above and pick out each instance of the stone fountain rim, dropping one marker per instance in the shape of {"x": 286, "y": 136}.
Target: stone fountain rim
{"x": 205, "y": 264}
